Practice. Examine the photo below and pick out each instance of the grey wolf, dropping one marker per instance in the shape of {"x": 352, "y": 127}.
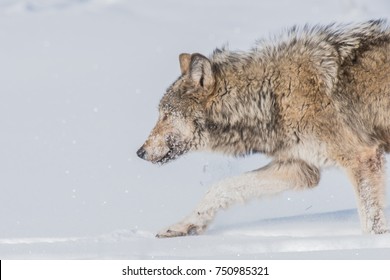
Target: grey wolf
{"x": 312, "y": 98}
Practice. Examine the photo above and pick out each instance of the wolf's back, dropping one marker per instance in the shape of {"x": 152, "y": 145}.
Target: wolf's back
{"x": 351, "y": 40}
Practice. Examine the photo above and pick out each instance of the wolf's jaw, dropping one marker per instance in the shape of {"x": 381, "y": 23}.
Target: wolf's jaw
{"x": 170, "y": 156}
{"x": 165, "y": 159}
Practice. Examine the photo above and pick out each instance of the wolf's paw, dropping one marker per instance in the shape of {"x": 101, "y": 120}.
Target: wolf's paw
{"x": 379, "y": 228}
{"x": 180, "y": 230}
{"x": 380, "y": 231}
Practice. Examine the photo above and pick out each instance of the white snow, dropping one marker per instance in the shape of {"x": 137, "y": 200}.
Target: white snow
{"x": 80, "y": 84}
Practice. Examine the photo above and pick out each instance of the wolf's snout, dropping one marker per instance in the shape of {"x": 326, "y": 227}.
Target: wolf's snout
{"x": 141, "y": 153}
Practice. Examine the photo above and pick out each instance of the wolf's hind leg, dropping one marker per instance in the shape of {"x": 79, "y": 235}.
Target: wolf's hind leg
{"x": 367, "y": 172}
{"x": 274, "y": 178}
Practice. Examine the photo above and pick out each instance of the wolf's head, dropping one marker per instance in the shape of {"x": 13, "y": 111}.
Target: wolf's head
{"x": 180, "y": 126}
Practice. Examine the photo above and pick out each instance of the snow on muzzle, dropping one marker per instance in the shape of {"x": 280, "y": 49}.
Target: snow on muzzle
{"x": 162, "y": 149}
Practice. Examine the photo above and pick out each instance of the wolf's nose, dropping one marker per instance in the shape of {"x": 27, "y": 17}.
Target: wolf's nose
{"x": 141, "y": 153}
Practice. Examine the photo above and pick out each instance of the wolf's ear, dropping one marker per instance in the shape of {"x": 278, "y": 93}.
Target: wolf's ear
{"x": 200, "y": 71}
{"x": 185, "y": 60}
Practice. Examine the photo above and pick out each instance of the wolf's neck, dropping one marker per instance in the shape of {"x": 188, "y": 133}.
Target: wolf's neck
{"x": 242, "y": 115}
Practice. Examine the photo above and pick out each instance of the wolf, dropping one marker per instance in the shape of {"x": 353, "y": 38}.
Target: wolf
{"x": 310, "y": 98}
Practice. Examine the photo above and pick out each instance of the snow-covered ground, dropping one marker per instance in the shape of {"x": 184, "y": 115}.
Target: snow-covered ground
{"x": 333, "y": 235}
{"x": 80, "y": 83}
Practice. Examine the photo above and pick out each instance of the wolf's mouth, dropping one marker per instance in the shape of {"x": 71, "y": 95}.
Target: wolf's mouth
{"x": 176, "y": 149}
{"x": 170, "y": 156}
{"x": 167, "y": 157}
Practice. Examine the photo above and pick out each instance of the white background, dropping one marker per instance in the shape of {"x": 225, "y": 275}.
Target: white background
{"x": 80, "y": 82}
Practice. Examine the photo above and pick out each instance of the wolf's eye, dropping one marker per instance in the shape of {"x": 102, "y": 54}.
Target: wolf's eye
{"x": 165, "y": 117}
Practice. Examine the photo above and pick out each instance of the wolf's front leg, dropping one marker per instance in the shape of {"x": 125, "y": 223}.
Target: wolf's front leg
{"x": 274, "y": 178}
